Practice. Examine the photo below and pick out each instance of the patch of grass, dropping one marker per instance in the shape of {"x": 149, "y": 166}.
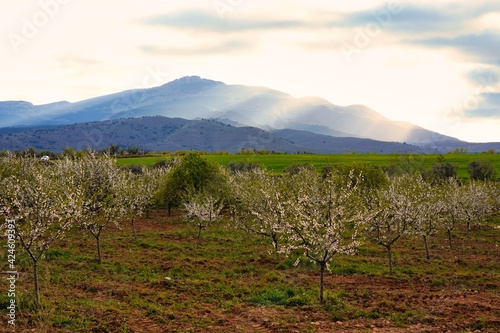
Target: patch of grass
{"x": 480, "y": 324}
{"x": 438, "y": 282}
{"x": 280, "y": 296}
{"x": 340, "y": 309}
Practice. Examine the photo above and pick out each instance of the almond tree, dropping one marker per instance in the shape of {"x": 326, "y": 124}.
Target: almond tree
{"x": 202, "y": 209}
{"x": 43, "y": 203}
{"x": 259, "y": 204}
{"x": 138, "y": 191}
{"x": 132, "y": 197}
{"x": 101, "y": 185}
{"x": 476, "y": 202}
{"x": 324, "y": 218}
{"x": 430, "y": 209}
{"x": 452, "y": 194}
{"x": 493, "y": 190}
{"x": 391, "y": 211}
{"x": 153, "y": 180}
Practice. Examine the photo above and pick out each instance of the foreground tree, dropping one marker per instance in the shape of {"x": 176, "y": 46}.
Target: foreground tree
{"x": 476, "y": 202}
{"x": 429, "y": 206}
{"x": 453, "y": 201}
{"x": 259, "y": 200}
{"x": 102, "y": 187}
{"x": 324, "y": 218}
{"x": 139, "y": 190}
{"x": 391, "y": 211}
{"x": 42, "y": 203}
{"x": 202, "y": 209}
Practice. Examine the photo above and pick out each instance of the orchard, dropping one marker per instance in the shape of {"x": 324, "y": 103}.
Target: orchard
{"x": 307, "y": 220}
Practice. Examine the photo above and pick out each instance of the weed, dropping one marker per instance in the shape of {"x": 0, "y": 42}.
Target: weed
{"x": 480, "y": 324}
{"x": 437, "y": 282}
{"x": 274, "y": 276}
{"x": 278, "y": 296}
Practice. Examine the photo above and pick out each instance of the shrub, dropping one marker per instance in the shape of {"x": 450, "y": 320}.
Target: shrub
{"x": 481, "y": 170}
{"x": 296, "y": 168}
{"x": 245, "y": 166}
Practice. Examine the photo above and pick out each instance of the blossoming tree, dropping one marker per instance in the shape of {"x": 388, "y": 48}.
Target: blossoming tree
{"x": 102, "y": 186}
{"x": 259, "y": 204}
{"x": 43, "y": 203}
{"x": 324, "y": 218}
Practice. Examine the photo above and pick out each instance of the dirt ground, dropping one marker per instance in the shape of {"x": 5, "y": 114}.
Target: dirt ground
{"x": 446, "y": 309}
{"x": 433, "y": 308}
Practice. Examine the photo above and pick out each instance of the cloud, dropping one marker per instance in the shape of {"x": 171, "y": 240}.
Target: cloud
{"x": 407, "y": 18}
{"x": 215, "y": 48}
{"x": 440, "y": 25}
{"x": 489, "y": 107}
{"x": 484, "y": 77}
{"x": 482, "y": 47}
{"x": 203, "y": 21}
{"x": 419, "y": 19}
{"x": 76, "y": 57}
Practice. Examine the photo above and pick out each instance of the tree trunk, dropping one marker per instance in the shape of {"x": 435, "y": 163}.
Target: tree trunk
{"x": 37, "y": 289}
{"x": 321, "y": 282}
{"x": 275, "y": 244}
{"x": 199, "y": 237}
{"x": 98, "y": 243}
{"x": 427, "y": 255}
{"x": 134, "y": 229}
{"x": 449, "y": 239}
{"x": 389, "y": 253}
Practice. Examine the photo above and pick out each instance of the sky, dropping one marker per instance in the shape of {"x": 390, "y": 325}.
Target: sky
{"x": 433, "y": 63}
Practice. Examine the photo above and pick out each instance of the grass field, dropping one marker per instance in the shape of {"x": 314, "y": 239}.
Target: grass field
{"x": 279, "y": 162}
{"x": 162, "y": 282}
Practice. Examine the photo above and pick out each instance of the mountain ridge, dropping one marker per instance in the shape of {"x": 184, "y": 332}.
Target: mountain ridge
{"x": 195, "y": 98}
{"x": 158, "y": 133}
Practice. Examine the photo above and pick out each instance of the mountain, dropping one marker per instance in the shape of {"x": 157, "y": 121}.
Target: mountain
{"x": 196, "y": 98}
{"x": 159, "y": 133}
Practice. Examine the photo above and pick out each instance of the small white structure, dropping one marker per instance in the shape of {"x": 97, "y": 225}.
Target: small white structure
{"x": 44, "y": 158}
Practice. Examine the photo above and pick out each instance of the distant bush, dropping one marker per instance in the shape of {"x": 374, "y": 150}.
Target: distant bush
{"x": 245, "y": 166}
{"x": 134, "y": 168}
{"x": 481, "y": 170}
{"x": 296, "y": 168}
{"x": 172, "y": 162}
{"x": 440, "y": 171}
{"x": 371, "y": 175}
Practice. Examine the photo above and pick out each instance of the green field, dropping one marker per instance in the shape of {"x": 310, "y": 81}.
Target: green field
{"x": 278, "y": 163}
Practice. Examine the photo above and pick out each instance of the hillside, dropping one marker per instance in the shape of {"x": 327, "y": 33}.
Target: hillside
{"x": 161, "y": 133}
{"x": 193, "y": 97}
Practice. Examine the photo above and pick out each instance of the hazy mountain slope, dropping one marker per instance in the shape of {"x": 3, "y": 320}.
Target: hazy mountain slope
{"x": 161, "y": 133}
{"x": 153, "y": 133}
{"x": 318, "y": 143}
{"x": 194, "y": 97}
